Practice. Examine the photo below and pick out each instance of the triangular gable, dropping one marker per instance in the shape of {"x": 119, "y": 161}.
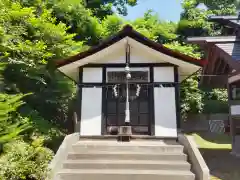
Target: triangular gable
{"x": 128, "y": 31}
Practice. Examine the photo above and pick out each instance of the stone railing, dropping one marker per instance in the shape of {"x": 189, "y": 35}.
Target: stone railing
{"x": 61, "y": 155}
{"x": 199, "y": 166}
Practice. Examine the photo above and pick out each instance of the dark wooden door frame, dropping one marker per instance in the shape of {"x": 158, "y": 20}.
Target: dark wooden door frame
{"x": 150, "y": 106}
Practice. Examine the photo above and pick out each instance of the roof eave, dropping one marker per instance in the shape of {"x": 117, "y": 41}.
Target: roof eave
{"x": 225, "y": 20}
{"x": 213, "y": 18}
{"x": 128, "y": 31}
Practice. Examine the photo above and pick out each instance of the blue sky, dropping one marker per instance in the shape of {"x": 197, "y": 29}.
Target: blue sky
{"x": 166, "y": 9}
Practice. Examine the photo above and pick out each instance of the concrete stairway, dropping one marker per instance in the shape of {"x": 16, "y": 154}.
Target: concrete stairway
{"x": 135, "y": 160}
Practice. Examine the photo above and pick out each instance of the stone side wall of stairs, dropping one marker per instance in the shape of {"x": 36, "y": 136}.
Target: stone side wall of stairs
{"x": 199, "y": 166}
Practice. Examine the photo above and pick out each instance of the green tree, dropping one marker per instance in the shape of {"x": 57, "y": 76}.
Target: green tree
{"x": 161, "y": 31}
{"x": 79, "y": 19}
{"x": 11, "y": 123}
{"x": 194, "y": 22}
{"x": 101, "y": 8}
{"x": 30, "y": 42}
{"x": 21, "y": 160}
{"x": 191, "y": 95}
{"x": 221, "y": 7}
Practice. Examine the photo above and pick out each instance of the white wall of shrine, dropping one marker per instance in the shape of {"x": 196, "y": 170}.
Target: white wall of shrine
{"x": 91, "y": 112}
{"x": 164, "y": 102}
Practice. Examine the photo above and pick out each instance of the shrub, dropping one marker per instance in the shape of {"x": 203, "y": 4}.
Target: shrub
{"x": 25, "y": 161}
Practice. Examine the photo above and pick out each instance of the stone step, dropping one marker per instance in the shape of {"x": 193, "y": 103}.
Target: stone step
{"x": 136, "y": 146}
{"x": 127, "y": 164}
{"x": 132, "y": 142}
{"x": 115, "y": 155}
{"x": 133, "y": 138}
{"x": 124, "y": 174}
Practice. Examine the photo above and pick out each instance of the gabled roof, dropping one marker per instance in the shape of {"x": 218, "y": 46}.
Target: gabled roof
{"x": 128, "y": 31}
{"x": 223, "y": 55}
{"x": 228, "y": 21}
{"x": 229, "y": 44}
{"x": 213, "y": 39}
{"x": 233, "y": 49}
{"x": 223, "y": 52}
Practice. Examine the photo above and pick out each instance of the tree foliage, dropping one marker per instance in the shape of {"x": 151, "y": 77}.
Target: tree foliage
{"x": 161, "y": 31}
{"x": 30, "y": 41}
{"x": 11, "y": 123}
{"x": 22, "y": 161}
{"x": 194, "y": 22}
{"x": 104, "y": 7}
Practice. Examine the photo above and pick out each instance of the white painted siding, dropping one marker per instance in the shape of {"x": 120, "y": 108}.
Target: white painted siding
{"x": 92, "y": 75}
{"x": 74, "y": 74}
{"x": 163, "y": 74}
{"x": 165, "y": 112}
{"x": 114, "y": 57}
{"x": 91, "y": 114}
{"x": 136, "y": 56}
{"x": 140, "y": 56}
{"x": 235, "y": 109}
